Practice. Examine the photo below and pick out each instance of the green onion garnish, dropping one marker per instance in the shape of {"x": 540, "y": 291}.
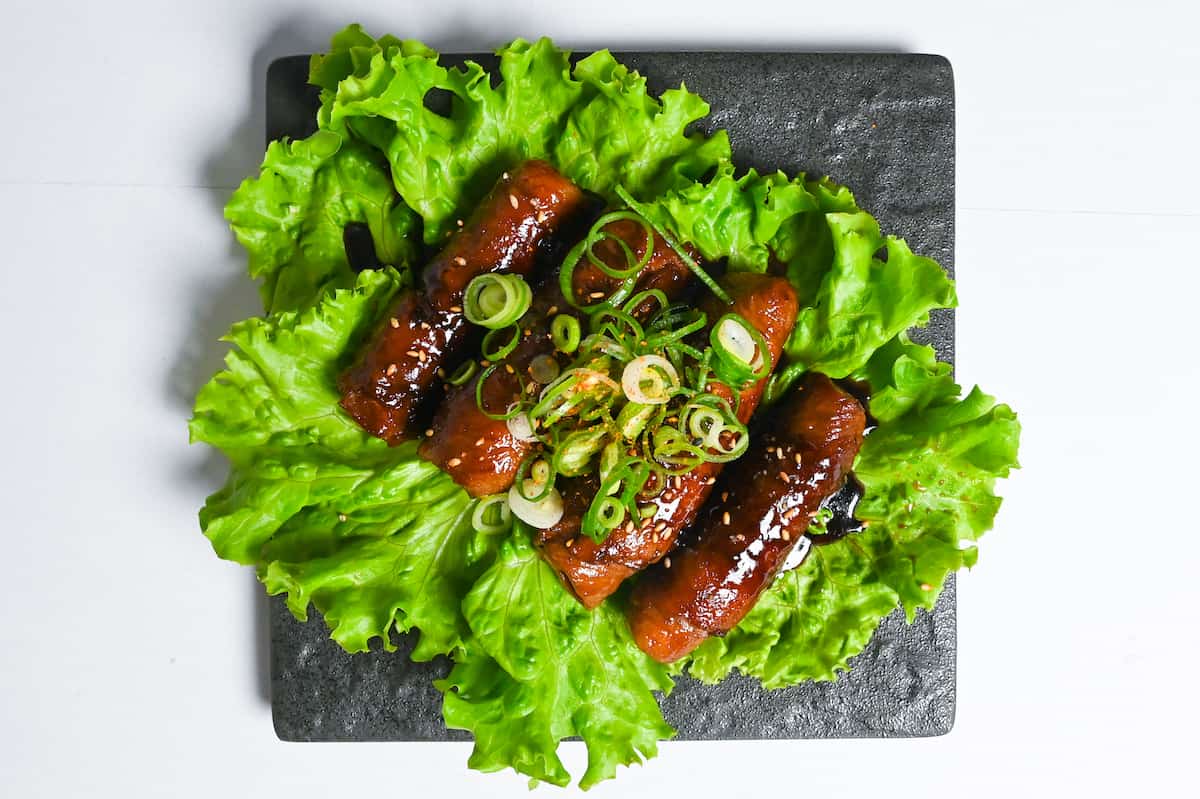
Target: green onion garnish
{"x": 705, "y": 277}
{"x": 492, "y": 515}
{"x": 463, "y": 373}
{"x": 495, "y": 301}
{"x": 565, "y": 333}
{"x": 498, "y": 344}
{"x": 740, "y": 349}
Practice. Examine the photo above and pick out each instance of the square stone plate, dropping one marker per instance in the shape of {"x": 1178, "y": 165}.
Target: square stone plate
{"x": 882, "y": 124}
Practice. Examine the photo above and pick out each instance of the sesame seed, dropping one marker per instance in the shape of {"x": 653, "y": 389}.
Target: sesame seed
{"x": 725, "y": 517}
{"x": 479, "y": 442}
{"x": 394, "y": 322}
{"x": 926, "y": 586}
{"x": 391, "y": 369}
{"x": 421, "y": 356}
{"x": 553, "y": 310}
{"x": 485, "y": 363}
{"x": 455, "y": 309}
{"x": 429, "y": 433}
{"x": 542, "y": 216}
{"x": 784, "y": 477}
{"x": 595, "y": 295}
{"x": 667, "y": 562}
{"x": 453, "y": 462}
{"x": 508, "y": 368}
{"x": 710, "y": 481}
{"x": 630, "y": 526}
{"x": 460, "y": 260}
{"x": 424, "y": 325}
{"x": 570, "y": 543}
{"x": 532, "y": 387}
{"x": 411, "y": 353}
{"x": 739, "y": 537}
{"x": 786, "y": 535}
{"x": 512, "y": 200}
{"x": 504, "y": 176}
{"x": 797, "y": 457}
{"x": 779, "y": 453}
{"x": 660, "y": 527}
{"x": 458, "y": 222}
{"x": 341, "y": 517}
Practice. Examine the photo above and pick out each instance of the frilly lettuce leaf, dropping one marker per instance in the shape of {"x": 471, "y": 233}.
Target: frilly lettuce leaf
{"x": 929, "y": 470}
{"x": 864, "y": 301}
{"x": 540, "y": 668}
{"x": 291, "y": 217}
{"x": 373, "y": 536}
{"x": 596, "y": 122}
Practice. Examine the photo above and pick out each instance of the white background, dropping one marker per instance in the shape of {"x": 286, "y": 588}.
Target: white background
{"x": 132, "y": 659}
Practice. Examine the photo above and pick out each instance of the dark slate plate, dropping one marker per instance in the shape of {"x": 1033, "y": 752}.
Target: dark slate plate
{"x": 882, "y": 124}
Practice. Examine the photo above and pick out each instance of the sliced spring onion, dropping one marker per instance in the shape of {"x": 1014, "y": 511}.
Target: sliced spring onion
{"x": 519, "y": 426}
{"x": 565, "y": 333}
{"x": 610, "y": 513}
{"x": 649, "y": 380}
{"x": 463, "y": 373}
{"x": 740, "y": 349}
{"x": 542, "y": 513}
{"x": 587, "y": 249}
{"x": 491, "y": 515}
{"x": 499, "y": 343}
{"x": 509, "y": 413}
{"x": 544, "y": 369}
{"x": 494, "y": 301}
{"x": 634, "y": 417}
{"x": 705, "y": 277}
{"x": 574, "y": 453}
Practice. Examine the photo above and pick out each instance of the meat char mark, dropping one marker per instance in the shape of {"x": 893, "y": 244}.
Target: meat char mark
{"x": 423, "y": 331}
{"x": 593, "y": 571}
{"x": 767, "y": 499}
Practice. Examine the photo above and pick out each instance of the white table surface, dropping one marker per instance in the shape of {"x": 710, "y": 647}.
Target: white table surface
{"x": 132, "y": 662}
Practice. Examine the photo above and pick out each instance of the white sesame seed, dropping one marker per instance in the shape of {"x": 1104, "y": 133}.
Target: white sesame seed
{"x": 725, "y": 517}
{"x": 341, "y": 517}
{"x": 460, "y": 261}
{"x": 512, "y": 200}
{"x": 454, "y": 462}
{"x": 411, "y": 353}
{"x": 394, "y": 322}
{"x": 667, "y": 562}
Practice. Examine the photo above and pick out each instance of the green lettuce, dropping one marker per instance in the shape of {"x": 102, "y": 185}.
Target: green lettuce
{"x": 380, "y": 541}
{"x": 596, "y": 122}
{"x": 541, "y": 667}
{"x": 929, "y": 470}
{"x": 290, "y": 218}
{"x": 376, "y": 538}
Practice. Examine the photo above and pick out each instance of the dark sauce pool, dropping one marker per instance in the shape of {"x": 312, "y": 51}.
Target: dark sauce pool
{"x": 844, "y": 502}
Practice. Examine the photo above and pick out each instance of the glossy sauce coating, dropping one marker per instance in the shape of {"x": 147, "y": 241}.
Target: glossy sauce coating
{"x": 424, "y": 331}
{"x": 767, "y": 499}
{"x": 479, "y": 452}
{"x": 594, "y": 571}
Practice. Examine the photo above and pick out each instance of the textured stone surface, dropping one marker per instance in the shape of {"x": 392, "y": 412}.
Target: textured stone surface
{"x": 882, "y": 124}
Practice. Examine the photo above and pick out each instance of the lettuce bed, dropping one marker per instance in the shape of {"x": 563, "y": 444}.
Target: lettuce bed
{"x": 381, "y": 541}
